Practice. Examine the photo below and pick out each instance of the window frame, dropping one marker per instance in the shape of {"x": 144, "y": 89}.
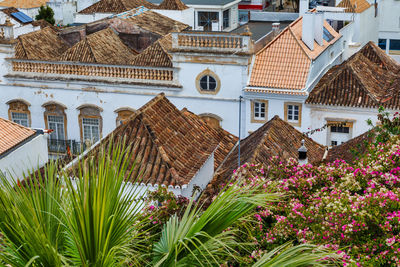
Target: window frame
{"x": 55, "y": 109}
{"x": 293, "y": 122}
{"x": 123, "y": 115}
{"x": 19, "y": 106}
{"x": 208, "y": 72}
{"x": 331, "y": 123}
{"x": 259, "y": 119}
{"x": 89, "y": 111}
{"x": 19, "y": 120}
{"x": 226, "y": 22}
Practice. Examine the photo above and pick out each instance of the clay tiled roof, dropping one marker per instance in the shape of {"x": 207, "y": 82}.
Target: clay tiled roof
{"x": 354, "y": 6}
{"x": 156, "y": 55}
{"x": 12, "y": 134}
{"x": 369, "y": 79}
{"x": 24, "y": 3}
{"x": 100, "y": 47}
{"x": 352, "y": 149}
{"x": 156, "y": 23}
{"x": 286, "y": 61}
{"x": 116, "y": 6}
{"x": 274, "y": 138}
{"x": 172, "y": 5}
{"x": 226, "y": 141}
{"x": 167, "y": 147}
{"x": 40, "y": 45}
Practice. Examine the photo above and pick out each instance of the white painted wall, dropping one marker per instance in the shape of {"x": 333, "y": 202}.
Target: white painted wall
{"x": 202, "y": 177}
{"x": 87, "y": 18}
{"x": 18, "y": 27}
{"x": 30, "y": 156}
{"x": 82, "y": 4}
{"x": 185, "y": 16}
{"x": 389, "y": 23}
{"x": 319, "y": 115}
{"x": 64, "y": 11}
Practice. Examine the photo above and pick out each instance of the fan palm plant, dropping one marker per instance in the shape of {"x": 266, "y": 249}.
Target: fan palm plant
{"x": 94, "y": 220}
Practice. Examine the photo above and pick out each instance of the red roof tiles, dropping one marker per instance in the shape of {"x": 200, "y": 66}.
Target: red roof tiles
{"x": 12, "y": 134}
{"x": 369, "y": 79}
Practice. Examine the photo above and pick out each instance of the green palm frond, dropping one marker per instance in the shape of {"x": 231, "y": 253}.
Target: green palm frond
{"x": 298, "y": 256}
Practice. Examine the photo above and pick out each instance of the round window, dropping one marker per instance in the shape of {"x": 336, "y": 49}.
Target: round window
{"x": 208, "y": 83}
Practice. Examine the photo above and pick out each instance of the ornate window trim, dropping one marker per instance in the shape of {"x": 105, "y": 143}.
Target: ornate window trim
{"x": 212, "y": 74}
{"x": 53, "y": 108}
{"x": 206, "y": 116}
{"x": 90, "y": 111}
{"x": 123, "y": 114}
{"x": 19, "y": 106}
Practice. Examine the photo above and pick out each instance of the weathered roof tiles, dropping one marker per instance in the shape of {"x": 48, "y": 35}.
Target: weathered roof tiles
{"x": 12, "y": 134}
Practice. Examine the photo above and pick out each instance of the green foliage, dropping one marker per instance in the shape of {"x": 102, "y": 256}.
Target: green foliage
{"x": 46, "y": 13}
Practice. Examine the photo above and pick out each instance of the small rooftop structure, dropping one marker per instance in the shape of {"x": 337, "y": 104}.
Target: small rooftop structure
{"x": 285, "y": 62}
{"x": 172, "y": 5}
{"x": 368, "y": 79}
{"x": 354, "y": 6}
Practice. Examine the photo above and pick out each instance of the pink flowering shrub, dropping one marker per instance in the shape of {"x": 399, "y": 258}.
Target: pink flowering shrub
{"x": 352, "y": 208}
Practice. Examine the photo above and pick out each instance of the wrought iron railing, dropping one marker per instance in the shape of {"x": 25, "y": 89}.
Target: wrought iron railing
{"x": 65, "y": 146}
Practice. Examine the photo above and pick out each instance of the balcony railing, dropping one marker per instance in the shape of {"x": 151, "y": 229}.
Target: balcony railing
{"x": 65, "y": 146}
{"x": 212, "y": 42}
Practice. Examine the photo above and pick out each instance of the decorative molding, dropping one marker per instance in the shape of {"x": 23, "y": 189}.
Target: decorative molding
{"x": 212, "y": 74}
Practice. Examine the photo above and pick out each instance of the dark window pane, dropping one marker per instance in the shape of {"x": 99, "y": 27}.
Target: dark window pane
{"x": 382, "y": 44}
{"x": 394, "y": 45}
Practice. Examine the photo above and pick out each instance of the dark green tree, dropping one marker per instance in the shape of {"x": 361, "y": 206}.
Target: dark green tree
{"x": 46, "y": 13}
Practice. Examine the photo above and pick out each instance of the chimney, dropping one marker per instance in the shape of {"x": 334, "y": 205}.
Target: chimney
{"x": 308, "y": 29}
{"x": 276, "y": 28}
{"x": 7, "y": 30}
{"x": 319, "y": 28}
{"x": 302, "y": 154}
{"x": 303, "y": 7}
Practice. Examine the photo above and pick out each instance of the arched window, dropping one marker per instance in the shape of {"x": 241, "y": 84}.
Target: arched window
{"x": 123, "y": 115}
{"x": 211, "y": 119}
{"x": 18, "y": 112}
{"x": 207, "y": 82}
{"x": 90, "y": 123}
{"x": 56, "y": 120}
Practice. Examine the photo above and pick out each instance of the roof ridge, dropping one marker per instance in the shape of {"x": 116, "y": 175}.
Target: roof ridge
{"x": 278, "y": 36}
{"x": 298, "y": 44}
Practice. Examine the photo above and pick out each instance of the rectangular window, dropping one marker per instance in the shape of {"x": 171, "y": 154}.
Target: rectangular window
{"x": 56, "y": 123}
{"x": 340, "y": 129}
{"x": 293, "y": 113}
{"x": 334, "y": 143}
{"x": 206, "y": 19}
{"x": 327, "y": 35}
{"x": 382, "y": 44}
{"x": 394, "y": 47}
{"x": 226, "y": 15}
{"x": 91, "y": 129}
{"x": 259, "y": 111}
{"x": 20, "y": 118}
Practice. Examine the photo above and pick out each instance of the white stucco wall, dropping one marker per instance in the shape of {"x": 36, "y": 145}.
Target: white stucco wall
{"x": 202, "y": 177}
{"x": 64, "y": 11}
{"x": 32, "y": 155}
{"x": 319, "y": 115}
{"x": 185, "y": 16}
{"x": 18, "y": 27}
{"x": 87, "y": 18}
{"x": 389, "y": 23}
{"x": 82, "y": 4}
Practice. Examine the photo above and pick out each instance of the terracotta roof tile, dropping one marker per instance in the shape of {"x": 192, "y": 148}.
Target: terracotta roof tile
{"x": 368, "y": 79}
{"x": 44, "y": 44}
{"x": 285, "y": 62}
{"x": 350, "y": 150}
{"x": 354, "y": 6}
{"x": 116, "y": 6}
{"x": 156, "y": 23}
{"x": 167, "y": 147}
{"x": 100, "y": 47}
{"x": 226, "y": 141}
{"x": 24, "y": 3}
{"x": 172, "y": 5}
{"x": 274, "y": 138}
{"x": 12, "y": 134}
{"x": 156, "y": 55}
